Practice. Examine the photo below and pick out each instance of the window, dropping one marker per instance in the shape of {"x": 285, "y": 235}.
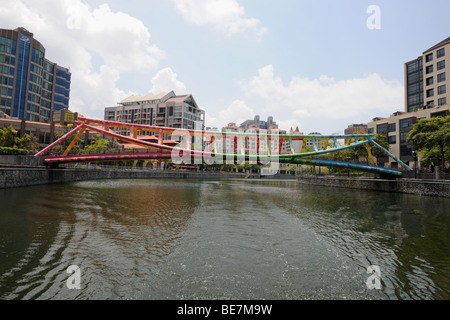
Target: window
{"x": 430, "y": 93}
{"x": 405, "y": 151}
{"x": 429, "y": 69}
{"x": 406, "y": 124}
{"x": 382, "y": 129}
{"x": 441, "y": 53}
{"x": 430, "y": 103}
{"x": 4, "y": 69}
{"x": 7, "y": 45}
{"x": 430, "y": 81}
{"x": 7, "y": 59}
{"x": 414, "y": 77}
{"x": 392, "y": 139}
{"x": 441, "y": 77}
{"x": 370, "y": 130}
{"x": 403, "y": 137}
{"x": 392, "y": 127}
{"x": 429, "y": 57}
{"x": 441, "y": 65}
{"x": 5, "y": 102}
{"x": 440, "y": 114}
{"x": 415, "y": 88}
{"x": 442, "y": 101}
{"x": 413, "y": 66}
{"x": 414, "y": 99}
{"x": 442, "y": 89}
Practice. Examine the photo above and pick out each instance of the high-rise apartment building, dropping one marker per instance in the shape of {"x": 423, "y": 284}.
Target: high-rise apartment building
{"x": 31, "y": 86}
{"x": 427, "y": 78}
{"x": 426, "y": 96}
{"x": 163, "y": 110}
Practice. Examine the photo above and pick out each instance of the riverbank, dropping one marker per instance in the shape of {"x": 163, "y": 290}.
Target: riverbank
{"x": 11, "y": 177}
{"x": 433, "y": 188}
{"x": 22, "y": 171}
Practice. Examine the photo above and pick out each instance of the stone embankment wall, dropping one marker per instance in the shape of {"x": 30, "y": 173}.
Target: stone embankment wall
{"x": 20, "y": 161}
{"x": 419, "y": 187}
{"x": 19, "y": 177}
{"x": 20, "y": 171}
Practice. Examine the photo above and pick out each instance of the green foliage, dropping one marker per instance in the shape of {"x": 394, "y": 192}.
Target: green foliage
{"x": 360, "y": 152}
{"x": 10, "y": 139}
{"x": 12, "y": 151}
{"x": 98, "y": 145}
{"x": 431, "y": 138}
{"x": 63, "y": 146}
{"x": 432, "y": 156}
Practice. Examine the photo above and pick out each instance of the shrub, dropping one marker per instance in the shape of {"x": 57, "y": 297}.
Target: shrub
{"x": 12, "y": 151}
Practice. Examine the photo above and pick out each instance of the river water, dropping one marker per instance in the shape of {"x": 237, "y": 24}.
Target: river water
{"x": 224, "y": 239}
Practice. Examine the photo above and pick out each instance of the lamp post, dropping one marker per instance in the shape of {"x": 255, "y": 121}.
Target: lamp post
{"x": 414, "y": 153}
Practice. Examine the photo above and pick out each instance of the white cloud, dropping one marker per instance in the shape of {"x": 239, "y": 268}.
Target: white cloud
{"x": 212, "y": 122}
{"x": 325, "y": 97}
{"x": 226, "y": 16}
{"x": 289, "y": 124}
{"x": 237, "y": 112}
{"x": 166, "y": 80}
{"x": 73, "y": 34}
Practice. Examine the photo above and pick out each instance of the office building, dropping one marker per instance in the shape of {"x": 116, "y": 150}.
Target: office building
{"x": 31, "y": 86}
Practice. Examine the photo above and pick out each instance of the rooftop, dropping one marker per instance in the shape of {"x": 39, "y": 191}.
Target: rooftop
{"x": 140, "y": 98}
{"x": 440, "y": 44}
{"x": 178, "y": 99}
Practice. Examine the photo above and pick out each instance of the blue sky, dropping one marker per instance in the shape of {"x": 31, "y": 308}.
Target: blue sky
{"x": 312, "y": 64}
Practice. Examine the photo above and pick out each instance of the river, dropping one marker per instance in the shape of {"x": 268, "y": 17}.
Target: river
{"x": 221, "y": 239}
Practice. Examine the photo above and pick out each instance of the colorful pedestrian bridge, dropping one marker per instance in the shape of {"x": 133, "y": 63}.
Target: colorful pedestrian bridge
{"x": 269, "y": 147}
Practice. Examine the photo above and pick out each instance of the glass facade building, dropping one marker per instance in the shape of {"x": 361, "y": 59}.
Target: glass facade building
{"x": 426, "y": 78}
{"x": 31, "y": 86}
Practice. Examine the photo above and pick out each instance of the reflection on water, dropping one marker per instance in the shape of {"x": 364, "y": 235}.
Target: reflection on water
{"x": 228, "y": 239}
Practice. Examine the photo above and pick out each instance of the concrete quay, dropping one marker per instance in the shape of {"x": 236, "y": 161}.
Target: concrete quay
{"x": 434, "y": 188}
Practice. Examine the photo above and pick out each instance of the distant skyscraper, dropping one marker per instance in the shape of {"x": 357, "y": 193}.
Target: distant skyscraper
{"x": 259, "y": 123}
{"x": 31, "y": 86}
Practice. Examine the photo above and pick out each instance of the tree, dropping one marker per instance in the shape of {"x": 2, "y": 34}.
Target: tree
{"x": 64, "y": 144}
{"x": 361, "y": 151}
{"x": 10, "y": 139}
{"x": 382, "y": 141}
{"x": 98, "y": 145}
{"x": 431, "y": 137}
